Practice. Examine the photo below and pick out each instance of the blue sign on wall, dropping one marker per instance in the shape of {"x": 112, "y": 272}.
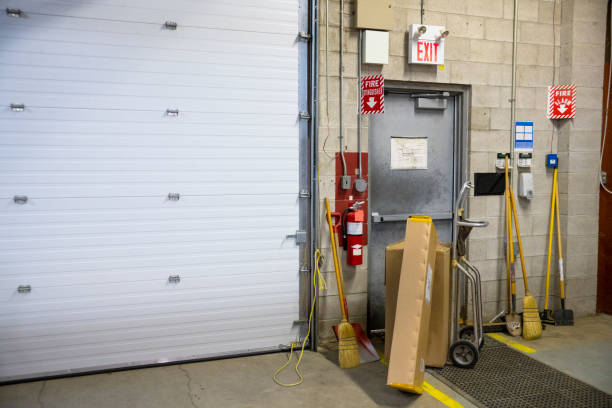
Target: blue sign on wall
{"x": 523, "y": 136}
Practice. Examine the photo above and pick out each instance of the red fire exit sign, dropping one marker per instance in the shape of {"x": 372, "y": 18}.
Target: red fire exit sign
{"x": 562, "y": 101}
{"x": 372, "y": 94}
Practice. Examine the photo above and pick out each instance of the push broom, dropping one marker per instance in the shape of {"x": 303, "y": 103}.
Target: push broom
{"x": 532, "y": 326}
{"x": 348, "y": 350}
{"x": 563, "y": 316}
{"x": 513, "y": 319}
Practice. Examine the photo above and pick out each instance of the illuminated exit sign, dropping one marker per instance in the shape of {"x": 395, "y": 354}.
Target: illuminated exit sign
{"x": 426, "y": 44}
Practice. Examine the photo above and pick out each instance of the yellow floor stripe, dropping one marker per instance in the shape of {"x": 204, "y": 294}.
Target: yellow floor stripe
{"x": 508, "y": 341}
{"x": 433, "y": 391}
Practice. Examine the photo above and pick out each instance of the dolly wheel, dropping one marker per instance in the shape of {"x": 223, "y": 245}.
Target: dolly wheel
{"x": 467, "y": 333}
{"x": 464, "y": 354}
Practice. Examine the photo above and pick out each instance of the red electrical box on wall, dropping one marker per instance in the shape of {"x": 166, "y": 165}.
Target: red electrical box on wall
{"x": 346, "y": 198}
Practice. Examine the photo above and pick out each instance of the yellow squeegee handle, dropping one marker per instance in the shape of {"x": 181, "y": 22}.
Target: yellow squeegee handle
{"x": 550, "y": 238}
{"x": 561, "y": 273}
{"x": 335, "y": 253}
{"x": 518, "y": 236}
{"x": 508, "y": 236}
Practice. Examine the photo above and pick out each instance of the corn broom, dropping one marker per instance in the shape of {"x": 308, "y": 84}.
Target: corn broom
{"x": 532, "y": 326}
{"x": 348, "y": 350}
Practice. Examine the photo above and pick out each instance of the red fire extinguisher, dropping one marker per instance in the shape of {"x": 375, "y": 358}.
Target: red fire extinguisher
{"x": 352, "y": 231}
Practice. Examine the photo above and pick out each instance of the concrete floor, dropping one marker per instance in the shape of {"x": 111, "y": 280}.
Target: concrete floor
{"x": 583, "y": 351}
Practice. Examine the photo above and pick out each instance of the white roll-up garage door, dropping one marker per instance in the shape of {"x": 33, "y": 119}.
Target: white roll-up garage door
{"x": 148, "y": 180}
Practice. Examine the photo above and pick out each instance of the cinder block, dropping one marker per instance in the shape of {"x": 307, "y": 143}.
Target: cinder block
{"x": 545, "y": 13}
{"x": 589, "y": 10}
{"x": 579, "y": 266}
{"x": 583, "y": 183}
{"x": 535, "y": 33}
{"x": 477, "y": 249}
{"x": 581, "y": 245}
{"x": 445, "y": 6}
{"x": 547, "y": 54}
{"x": 528, "y": 10}
{"x": 398, "y": 43}
{"x": 465, "y": 26}
{"x": 479, "y": 162}
{"x": 589, "y": 33}
{"x": 483, "y": 141}
{"x": 475, "y": 73}
{"x": 534, "y": 76}
{"x": 486, "y": 96}
{"x": 585, "y": 54}
{"x": 582, "y": 204}
{"x": 498, "y": 29}
{"x": 499, "y": 75}
{"x": 500, "y": 119}
{"x": 485, "y": 8}
{"x": 490, "y": 51}
{"x": 582, "y": 225}
{"x": 480, "y": 119}
{"x": 456, "y": 48}
{"x": 527, "y": 54}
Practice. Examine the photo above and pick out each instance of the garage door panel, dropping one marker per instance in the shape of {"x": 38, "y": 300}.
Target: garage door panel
{"x": 152, "y": 80}
{"x": 204, "y": 347}
{"x": 152, "y": 65}
{"x": 97, "y": 154}
{"x": 119, "y": 47}
{"x": 202, "y": 340}
{"x": 157, "y": 315}
{"x": 87, "y": 227}
{"x": 79, "y": 310}
{"x": 219, "y": 16}
{"x": 31, "y": 89}
{"x": 213, "y": 105}
{"x": 176, "y": 325}
{"x": 43, "y": 27}
{"x": 253, "y": 143}
{"x": 41, "y": 277}
{"x": 84, "y": 309}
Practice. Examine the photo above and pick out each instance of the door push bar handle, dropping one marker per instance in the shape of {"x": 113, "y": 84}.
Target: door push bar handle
{"x": 20, "y": 199}
{"x": 24, "y": 288}
{"x": 473, "y": 223}
{"x": 376, "y": 217}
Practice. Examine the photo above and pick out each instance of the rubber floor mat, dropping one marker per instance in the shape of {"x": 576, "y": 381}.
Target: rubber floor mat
{"x": 507, "y": 378}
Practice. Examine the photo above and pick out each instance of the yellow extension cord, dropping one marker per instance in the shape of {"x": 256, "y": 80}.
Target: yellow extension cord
{"x": 322, "y": 286}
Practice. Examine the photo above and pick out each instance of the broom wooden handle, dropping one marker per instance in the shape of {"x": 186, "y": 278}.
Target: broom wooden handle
{"x": 508, "y": 236}
{"x": 336, "y": 263}
{"x": 550, "y": 238}
{"x": 559, "y": 244}
{"x": 518, "y": 236}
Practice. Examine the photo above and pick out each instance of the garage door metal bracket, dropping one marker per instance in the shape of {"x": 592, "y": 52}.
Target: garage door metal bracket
{"x": 14, "y": 12}
{"x": 304, "y": 36}
{"x": 300, "y": 236}
{"x": 305, "y": 194}
{"x": 304, "y": 115}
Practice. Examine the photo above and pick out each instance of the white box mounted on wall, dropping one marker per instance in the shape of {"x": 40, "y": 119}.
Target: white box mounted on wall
{"x": 375, "y": 47}
{"x": 426, "y": 44}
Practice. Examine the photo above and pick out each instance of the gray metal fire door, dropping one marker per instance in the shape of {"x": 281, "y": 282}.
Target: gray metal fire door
{"x": 412, "y": 172}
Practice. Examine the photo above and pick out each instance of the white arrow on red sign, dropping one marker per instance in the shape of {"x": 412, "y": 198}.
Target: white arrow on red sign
{"x": 371, "y": 103}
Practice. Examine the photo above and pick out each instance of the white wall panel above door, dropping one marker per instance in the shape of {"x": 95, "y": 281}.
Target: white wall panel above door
{"x": 140, "y": 236}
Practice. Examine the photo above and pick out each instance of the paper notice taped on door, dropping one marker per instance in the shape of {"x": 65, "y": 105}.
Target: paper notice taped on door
{"x": 408, "y": 153}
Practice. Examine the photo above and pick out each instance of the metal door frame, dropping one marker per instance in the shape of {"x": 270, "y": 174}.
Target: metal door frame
{"x": 462, "y": 97}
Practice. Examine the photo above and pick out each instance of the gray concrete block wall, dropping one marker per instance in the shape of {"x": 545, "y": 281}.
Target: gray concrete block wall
{"x": 478, "y": 53}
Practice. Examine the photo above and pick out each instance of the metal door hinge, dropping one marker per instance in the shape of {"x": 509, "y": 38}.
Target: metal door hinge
{"x": 304, "y": 194}
{"x": 305, "y": 115}
{"x": 170, "y": 25}
{"x": 174, "y": 196}
{"x": 172, "y": 112}
{"x": 17, "y": 107}
{"x": 300, "y": 236}
{"x": 604, "y": 178}
{"x": 14, "y": 12}
{"x": 304, "y": 36}
{"x": 24, "y": 288}
{"x": 20, "y": 199}
{"x": 174, "y": 279}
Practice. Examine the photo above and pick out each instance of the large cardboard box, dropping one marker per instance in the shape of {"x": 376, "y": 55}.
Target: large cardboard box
{"x": 413, "y": 307}
{"x": 439, "y": 323}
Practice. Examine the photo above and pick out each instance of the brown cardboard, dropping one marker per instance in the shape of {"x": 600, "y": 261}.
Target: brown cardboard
{"x": 439, "y": 323}
{"x": 374, "y": 14}
{"x": 413, "y": 308}
{"x": 393, "y": 266}
{"x": 437, "y": 349}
